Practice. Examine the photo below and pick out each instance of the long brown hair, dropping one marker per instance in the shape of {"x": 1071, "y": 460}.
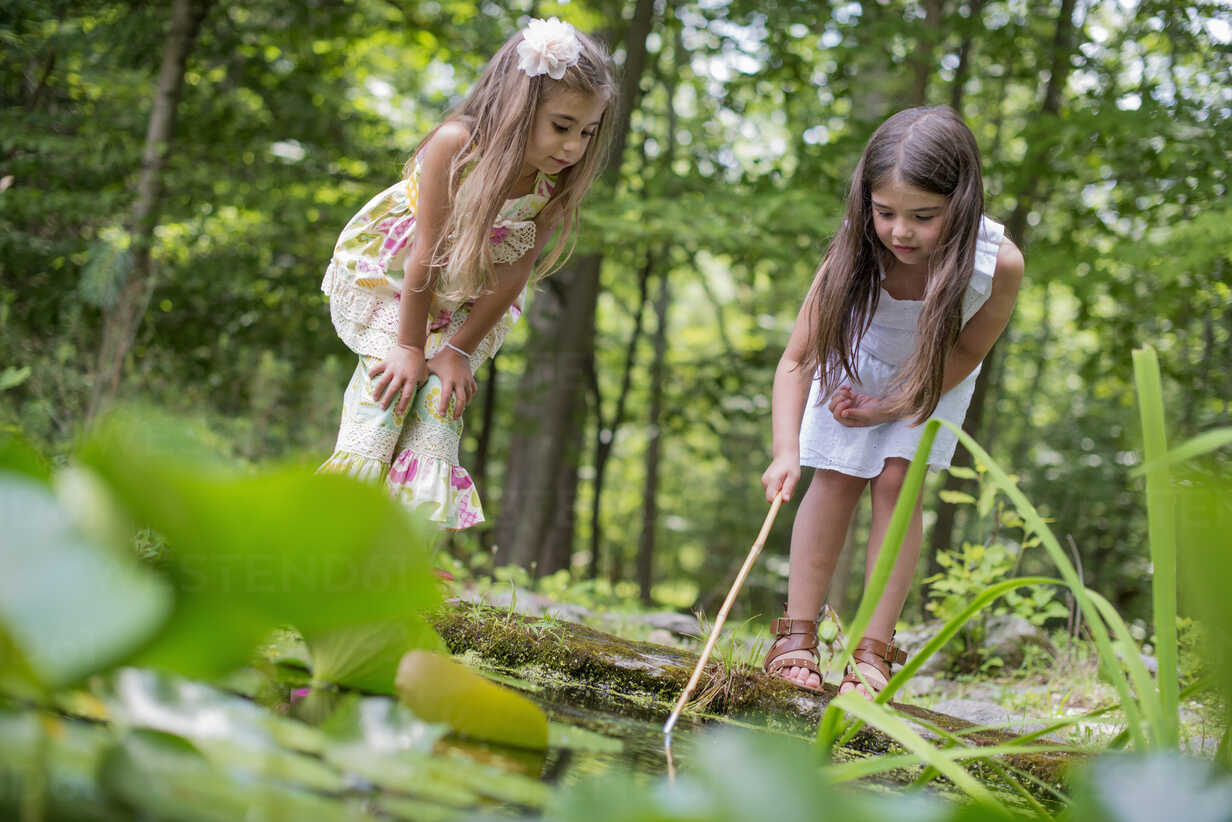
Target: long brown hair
{"x": 498, "y": 113}
{"x": 933, "y": 150}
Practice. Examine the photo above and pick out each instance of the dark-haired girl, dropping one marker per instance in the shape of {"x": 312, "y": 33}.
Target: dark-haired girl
{"x": 912, "y": 293}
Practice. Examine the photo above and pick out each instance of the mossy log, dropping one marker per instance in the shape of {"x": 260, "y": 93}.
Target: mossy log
{"x": 644, "y": 679}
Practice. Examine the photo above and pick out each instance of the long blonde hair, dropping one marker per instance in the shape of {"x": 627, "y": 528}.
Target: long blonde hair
{"x": 498, "y": 113}
{"x": 931, "y": 149}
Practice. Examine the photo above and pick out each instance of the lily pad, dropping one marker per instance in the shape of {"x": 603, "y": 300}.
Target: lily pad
{"x": 440, "y": 690}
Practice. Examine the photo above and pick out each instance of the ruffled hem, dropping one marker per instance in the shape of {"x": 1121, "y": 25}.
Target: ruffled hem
{"x": 348, "y": 464}
{"x": 446, "y": 491}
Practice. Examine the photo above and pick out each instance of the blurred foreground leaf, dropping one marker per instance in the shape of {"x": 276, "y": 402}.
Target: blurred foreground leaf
{"x": 733, "y": 776}
{"x": 1159, "y": 786}
{"x": 161, "y": 776}
{"x": 69, "y": 607}
{"x": 18, "y": 456}
{"x": 249, "y": 553}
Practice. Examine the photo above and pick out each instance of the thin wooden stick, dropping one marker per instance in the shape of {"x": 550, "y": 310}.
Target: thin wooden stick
{"x": 718, "y": 620}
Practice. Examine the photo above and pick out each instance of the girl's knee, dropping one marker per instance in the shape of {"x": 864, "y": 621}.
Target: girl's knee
{"x": 834, "y": 483}
{"x": 893, "y": 473}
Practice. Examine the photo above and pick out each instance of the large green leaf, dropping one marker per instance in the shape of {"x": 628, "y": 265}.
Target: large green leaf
{"x": 69, "y": 607}
{"x": 440, "y": 690}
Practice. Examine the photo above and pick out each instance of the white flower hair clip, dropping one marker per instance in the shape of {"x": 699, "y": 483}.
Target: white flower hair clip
{"x": 548, "y": 47}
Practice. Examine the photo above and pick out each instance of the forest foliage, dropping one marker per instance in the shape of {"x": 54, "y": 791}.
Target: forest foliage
{"x": 1104, "y": 128}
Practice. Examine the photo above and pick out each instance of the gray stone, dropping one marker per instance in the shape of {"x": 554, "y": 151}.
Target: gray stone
{"x": 988, "y": 713}
{"x": 1008, "y": 638}
{"x": 524, "y": 602}
{"x": 567, "y": 611}
{"x": 920, "y": 684}
{"x": 684, "y": 625}
{"x": 661, "y": 636}
{"x": 913, "y": 638}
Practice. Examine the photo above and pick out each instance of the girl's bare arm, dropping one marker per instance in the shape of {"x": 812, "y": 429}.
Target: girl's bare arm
{"x": 403, "y": 368}
{"x": 454, "y": 369}
{"x": 790, "y": 393}
{"x": 987, "y": 324}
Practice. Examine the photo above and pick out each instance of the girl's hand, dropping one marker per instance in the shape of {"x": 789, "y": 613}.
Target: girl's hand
{"x": 781, "y": 477}
{"x": 456, "y": 380}
{"x": 402, "y": 372}
{"x": 856, "y": 410}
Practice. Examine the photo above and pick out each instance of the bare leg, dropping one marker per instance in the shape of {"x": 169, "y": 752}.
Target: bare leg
{"x": 885, "y": 490}
{"x": 816, "y": 541}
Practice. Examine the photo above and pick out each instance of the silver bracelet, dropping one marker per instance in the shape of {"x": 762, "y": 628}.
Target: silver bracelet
{"x": 453, "y": 347}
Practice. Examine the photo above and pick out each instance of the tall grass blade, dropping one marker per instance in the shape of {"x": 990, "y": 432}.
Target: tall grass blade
{"x": 893, "y": 725}
{"x": 874, "y": 765}
{"x": 1096, "y": 625}
{"x": 943, "y": 636}
{"x": 1204, "y": 443}
{"x": 947, "y": 631}
{"x": 1139, "y": 676}
{"x": 1161, "y": 525}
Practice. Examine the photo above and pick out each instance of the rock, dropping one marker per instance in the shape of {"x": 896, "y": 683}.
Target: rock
{"x": 678, "y": 624}
{"x": 524, "y": 602}
{"x": 913, "y": 638}
{"x": 919, "y": 684}
{"x": 685, "y": 625}
{"x": 527, "y": 603}
{"x": 661, "y": 636}
{"x": 1008, "y": 638}
{"x": 989, "y": 714}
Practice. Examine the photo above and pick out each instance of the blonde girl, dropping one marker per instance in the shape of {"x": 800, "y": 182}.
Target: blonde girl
{"x": 428, "y": 278}
{"x": 912, "y": 293}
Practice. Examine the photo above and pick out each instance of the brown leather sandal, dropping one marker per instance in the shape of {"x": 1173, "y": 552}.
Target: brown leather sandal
{"x": 793, "y": 635}
{"x": 877, "y": 654}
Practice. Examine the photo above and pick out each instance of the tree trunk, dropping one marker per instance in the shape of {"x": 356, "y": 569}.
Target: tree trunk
{"x": 1016, "y": 229}
{"x": 964, "y": 57}
{"x": 483, "y": 439}
{"x": 536, "y": 522}
{"x": 646, "y": 546}
{"x": 605, "y": 433}
{"x": 547, "y": 410}
{"x": 923, "y": 63}
{"x": 1058, "y": 76}
{"x": 121, "y": 321}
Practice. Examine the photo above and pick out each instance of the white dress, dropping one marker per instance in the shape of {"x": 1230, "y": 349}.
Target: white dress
{"x": 888, "y": 343}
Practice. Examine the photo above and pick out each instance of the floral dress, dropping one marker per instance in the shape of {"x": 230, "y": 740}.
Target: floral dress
{"x": 415, "y": 455}
{"x": 890, "y": 340}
